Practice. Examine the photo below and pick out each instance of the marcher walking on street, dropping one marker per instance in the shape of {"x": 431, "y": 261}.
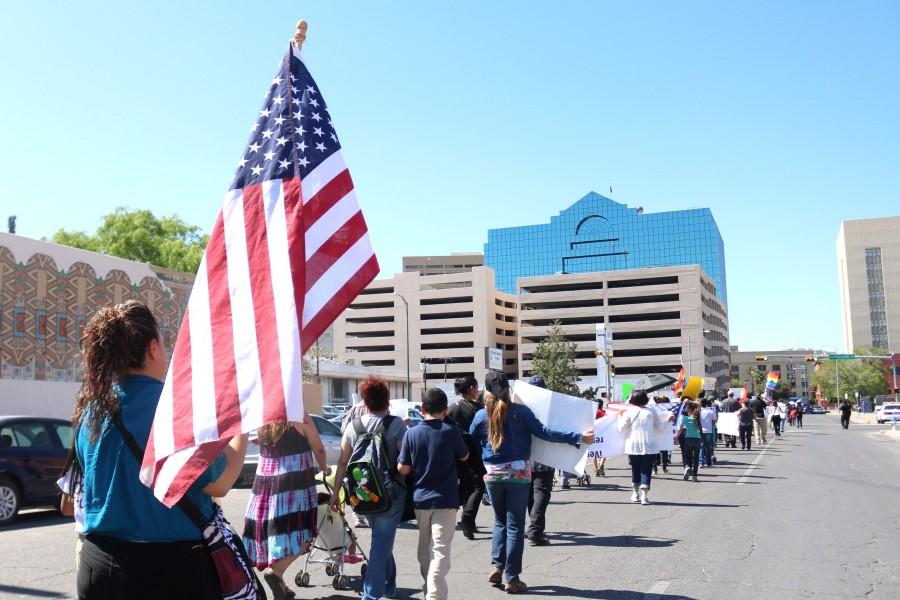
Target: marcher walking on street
{"x": 708, "y": 418}
{"x": 845, "y": 409}
{"x": 690, "y": 428}
{"x": 759, "y": 415}
{"x": 541, "y": 491}
{"x": 776, "y": 416}
{"x": 462, "y": 414}
{"x": 135, "y": 546}
{"x": 430, "y": 453}
{"x": 504, "y": 431}
{"x": 641, "y": 425}
{"x": 746, "y": 421}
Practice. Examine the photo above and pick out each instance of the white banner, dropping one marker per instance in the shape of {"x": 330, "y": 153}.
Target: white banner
{"x": 728, "y": 424}
{"x": 608, "y": 441}
{"x": 665, "y": 439}
{"x": 560, "y": 413}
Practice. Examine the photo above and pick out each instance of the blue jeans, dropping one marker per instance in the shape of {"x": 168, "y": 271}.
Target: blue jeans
{"x": 706, "y": 448}
{"x": 381, "y": 574}
{"x": 509, "y": 501}
{"x": 642, "y": 468}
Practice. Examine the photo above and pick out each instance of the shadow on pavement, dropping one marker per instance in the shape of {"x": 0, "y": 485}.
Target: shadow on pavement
{"x": 554, "y": 590}
{"x": 28, "y": 592}
{"x": 574, "y": 538}
{"x": 38, "y": 518}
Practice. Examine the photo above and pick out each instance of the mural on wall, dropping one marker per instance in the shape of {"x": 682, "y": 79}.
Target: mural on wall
{"x": 43, "y": 309}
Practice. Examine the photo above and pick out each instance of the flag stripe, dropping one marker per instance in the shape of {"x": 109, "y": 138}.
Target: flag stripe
{"x": 318, "y": 179}
{"x": 327, "y": 196}
{"x": 283, "y": 302}
{"x": 201, "y": 360}
{"x": 256, "y": 222}
{"x": 333, "y": 280}
{"x": 182, "y": 412}
{"x": 244, "y": 345}
{"x": 329, "y": 252}
{"x": 342, "y": 298}
{"x": 223, "y": 351}
{"x": 330, "y": 222}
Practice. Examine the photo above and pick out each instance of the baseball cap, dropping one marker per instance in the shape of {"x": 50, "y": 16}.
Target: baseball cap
{"x": 495, "y": 382}
{"x": 538, "y": 381}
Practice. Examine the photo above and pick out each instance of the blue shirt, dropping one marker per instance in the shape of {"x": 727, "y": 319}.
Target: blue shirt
{"x": 432, "y": 448}
{"x": 520, "y": 425}
{"x": 116, "y": 503}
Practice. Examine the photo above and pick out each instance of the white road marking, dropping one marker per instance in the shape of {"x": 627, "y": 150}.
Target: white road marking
{"x": 656, "y": 589}
{"x": 749, "y": 469}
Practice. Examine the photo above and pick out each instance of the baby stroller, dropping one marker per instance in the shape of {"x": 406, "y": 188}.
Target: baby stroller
{"x": 334, "y": 546}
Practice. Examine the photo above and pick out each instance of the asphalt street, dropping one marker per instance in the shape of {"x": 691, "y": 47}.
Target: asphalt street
{"x": 812, "y": 514}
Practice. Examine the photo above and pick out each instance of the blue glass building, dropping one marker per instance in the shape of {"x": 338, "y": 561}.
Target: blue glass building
{"x": 598, "y": 234}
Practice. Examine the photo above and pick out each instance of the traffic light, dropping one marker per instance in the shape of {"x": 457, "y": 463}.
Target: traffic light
{"x": 810, "y": 359}
{"x": 762, "y": 358}
{"x": 612, "y": 370}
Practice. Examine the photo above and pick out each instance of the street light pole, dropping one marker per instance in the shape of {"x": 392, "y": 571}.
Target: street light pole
{"x": 408, "y": 385}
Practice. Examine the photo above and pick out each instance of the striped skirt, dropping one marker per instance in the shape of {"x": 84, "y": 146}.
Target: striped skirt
{"x": 281, "y": 516}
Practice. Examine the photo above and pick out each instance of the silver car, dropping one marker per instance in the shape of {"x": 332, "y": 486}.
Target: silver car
{"x": 331, "y": 439}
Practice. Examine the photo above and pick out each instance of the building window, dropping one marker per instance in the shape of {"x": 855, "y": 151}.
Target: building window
{"x": 875, "y": 288}
{"x": 40, "y": 324}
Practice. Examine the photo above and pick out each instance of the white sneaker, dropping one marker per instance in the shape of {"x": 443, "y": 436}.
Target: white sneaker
{"x": 645, "y": 497}
{"x": 634, "y": 498}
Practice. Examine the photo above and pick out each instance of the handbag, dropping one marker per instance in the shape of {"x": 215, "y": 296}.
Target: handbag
{"x": 237, "y": 579}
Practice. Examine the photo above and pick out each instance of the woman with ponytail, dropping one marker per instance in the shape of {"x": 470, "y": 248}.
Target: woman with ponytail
{"x": 135, "y": 547}
{"x": 504, "y": 431}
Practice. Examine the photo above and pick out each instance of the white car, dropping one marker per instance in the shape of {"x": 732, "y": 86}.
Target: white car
{"x": 331, "y": 439}
{"x": 887, "y": 412}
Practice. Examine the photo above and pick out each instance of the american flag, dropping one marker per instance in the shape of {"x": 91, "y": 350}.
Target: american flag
{"x": 288, "y": 253}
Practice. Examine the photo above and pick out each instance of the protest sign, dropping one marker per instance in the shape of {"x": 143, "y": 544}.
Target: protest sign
{"x": 728, "y": 424}
{"x": 608, "y": 441}
{"x": 561, "y": 413}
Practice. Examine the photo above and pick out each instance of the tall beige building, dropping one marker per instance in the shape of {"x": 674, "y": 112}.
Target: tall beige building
{"x": 458, "y": 262}
{"x": 792, "y": 365}
{"x": 868, "y": 254}
{"x": 661, "y": 318}
{"x": 451, "y": 320}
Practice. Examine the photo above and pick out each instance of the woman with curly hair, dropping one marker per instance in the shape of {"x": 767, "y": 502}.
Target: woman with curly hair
{"x": 134, "y": 546}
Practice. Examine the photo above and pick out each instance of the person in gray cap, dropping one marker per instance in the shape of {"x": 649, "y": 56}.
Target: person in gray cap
{"x": 541, "y": 490}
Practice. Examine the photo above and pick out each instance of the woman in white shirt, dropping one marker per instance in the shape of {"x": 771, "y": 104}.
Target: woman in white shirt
{"x": 641, "y": 425}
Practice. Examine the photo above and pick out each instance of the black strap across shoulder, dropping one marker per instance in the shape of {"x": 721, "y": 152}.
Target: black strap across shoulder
{"x": 185, "y": 504}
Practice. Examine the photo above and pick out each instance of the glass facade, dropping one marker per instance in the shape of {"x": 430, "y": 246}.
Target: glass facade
{"x": 598, "y": 234}
{"x": 875, "y": 286}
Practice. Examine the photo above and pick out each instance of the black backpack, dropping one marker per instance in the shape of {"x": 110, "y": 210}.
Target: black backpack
{"x": 369, "y": 482}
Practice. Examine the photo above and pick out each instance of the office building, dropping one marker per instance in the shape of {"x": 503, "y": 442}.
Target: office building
{"x": 868, "y": 257}
{"x": 442, "y": 265}
{"x": 661, "y": 318}
{"x": 792, "y": 365}
{"x": 597, "y": 234}
{"x": 450, "y": 320}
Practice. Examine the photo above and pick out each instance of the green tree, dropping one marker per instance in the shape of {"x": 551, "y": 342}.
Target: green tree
{"x": 554, "y": 360}
{"x": 866, "y": 376}
{"x": 140, "y": 235}
{"x": 758, "y": 378}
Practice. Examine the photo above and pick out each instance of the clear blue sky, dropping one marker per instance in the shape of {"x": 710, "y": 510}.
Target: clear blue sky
{"x": 781, "y": 117}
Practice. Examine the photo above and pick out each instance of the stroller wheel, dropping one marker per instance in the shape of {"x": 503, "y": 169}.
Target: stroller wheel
{"x": 302, "y": 579}
{"x": 339, "y": 582}
{"x": 363, "y": 569}
{"x": 329, "y": 570}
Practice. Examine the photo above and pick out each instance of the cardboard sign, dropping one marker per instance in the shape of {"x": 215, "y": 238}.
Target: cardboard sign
{"x": 608, "y": 441}
{"x": 728, "y": 424}
{"x": 560, "y": 413}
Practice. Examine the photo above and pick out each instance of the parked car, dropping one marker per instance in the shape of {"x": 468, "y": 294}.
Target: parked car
{"x": 328, "y": 431}
{"x": 33, "y": 453}
{"x": 818, "y": 410}
{"x": 887, "y": 412}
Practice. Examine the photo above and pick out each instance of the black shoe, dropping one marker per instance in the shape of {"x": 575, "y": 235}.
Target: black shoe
{"x": 468, "y": 532}
{"x": 565, "y": 487}
{"x": 539, "y": 540}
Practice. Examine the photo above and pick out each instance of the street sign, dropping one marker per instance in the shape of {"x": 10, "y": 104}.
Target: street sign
{"x": 495, "y": 359}
{"x": 841, "y": 356}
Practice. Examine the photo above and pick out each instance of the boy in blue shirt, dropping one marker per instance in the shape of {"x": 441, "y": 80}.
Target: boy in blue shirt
{"x": 429, "y": 453}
